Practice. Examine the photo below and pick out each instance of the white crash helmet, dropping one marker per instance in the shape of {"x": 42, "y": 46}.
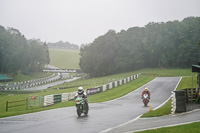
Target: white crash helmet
{"x": 80, "y": 90}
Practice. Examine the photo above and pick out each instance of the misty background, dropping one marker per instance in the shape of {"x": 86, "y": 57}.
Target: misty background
{"x": 80, "y": 22}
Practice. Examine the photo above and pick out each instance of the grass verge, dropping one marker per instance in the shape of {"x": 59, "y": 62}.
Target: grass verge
{"x": 187, "y": 128}
{"x": 22, "y": 77}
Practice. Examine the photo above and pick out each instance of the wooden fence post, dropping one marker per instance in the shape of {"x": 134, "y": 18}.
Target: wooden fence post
{"x": 26, "y": 103}
{"x": 6, "y": 106}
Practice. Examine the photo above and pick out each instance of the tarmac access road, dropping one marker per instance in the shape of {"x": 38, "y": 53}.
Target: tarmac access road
{"x": 102, "y": 117}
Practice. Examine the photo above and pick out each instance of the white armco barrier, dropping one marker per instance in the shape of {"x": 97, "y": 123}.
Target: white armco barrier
{"x": 116, "y": 84}
{"x": 131, "y": 78}
{"x": 104, "y": 88}
{"x": 48, "y": 100}
{"x": 71, "y": 95}
{"x": 65, "y": 97}
{"x": 120, "y": 82}
{"x": 110, "y": 85}
{"x": 125, "y": 81}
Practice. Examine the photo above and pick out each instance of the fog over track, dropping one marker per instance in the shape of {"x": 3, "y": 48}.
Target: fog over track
{"x": 101, "y": 117}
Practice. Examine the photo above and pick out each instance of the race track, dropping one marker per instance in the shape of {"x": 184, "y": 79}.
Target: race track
{"x": 101, "y": 118}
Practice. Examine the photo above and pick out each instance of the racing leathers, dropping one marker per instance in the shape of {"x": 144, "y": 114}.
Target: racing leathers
{"x": 83, "y": 95}
{"x": 148, "y": 92}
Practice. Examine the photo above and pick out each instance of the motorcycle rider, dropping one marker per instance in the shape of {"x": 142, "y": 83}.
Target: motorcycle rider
{"x": 83, "y": 94}
{"x": 146, "y": 91}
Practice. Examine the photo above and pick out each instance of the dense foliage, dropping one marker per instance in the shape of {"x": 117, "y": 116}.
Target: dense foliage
{"x": 63, "y": 45}
{"x": 17, "y": 54}
{"x": 169, "y": 45}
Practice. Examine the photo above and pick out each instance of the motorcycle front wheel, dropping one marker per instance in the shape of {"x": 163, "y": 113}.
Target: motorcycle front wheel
{"x": 145, "y": 103}
{"x": 86, "y": 110}
{"x": 78, "y": 110}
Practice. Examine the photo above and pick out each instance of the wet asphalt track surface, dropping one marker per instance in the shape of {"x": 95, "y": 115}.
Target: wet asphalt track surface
{"x": 102, "y": 116}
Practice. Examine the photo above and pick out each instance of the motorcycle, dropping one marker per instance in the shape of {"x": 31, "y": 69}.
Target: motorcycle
{"x": 145, "y": 99}
{"x": 81, "y": 106}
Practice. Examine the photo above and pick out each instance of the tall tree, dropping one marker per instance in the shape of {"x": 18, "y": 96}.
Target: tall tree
{"x": 170, "y": 44}
{"x": 20, "y": 55}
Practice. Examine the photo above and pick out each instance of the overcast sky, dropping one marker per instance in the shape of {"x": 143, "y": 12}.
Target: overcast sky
{"x": 81, "y": 21}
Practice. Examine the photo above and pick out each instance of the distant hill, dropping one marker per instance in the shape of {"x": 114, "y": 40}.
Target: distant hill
{"x": 63, "y": 45}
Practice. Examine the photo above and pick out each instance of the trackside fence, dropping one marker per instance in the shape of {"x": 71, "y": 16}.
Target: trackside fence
{"x": 34, "y": 101}
{"x": 14, "y": 104}
{"x": 180, "y": 98}
{"x": 111, "y": 85}
{"x": 30, "y": 101}
{"x": 56, "y": 98}
{"x": 191, "y": 95}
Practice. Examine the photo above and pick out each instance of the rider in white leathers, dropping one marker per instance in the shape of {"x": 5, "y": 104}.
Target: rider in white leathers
{"x": 82, "y": 94}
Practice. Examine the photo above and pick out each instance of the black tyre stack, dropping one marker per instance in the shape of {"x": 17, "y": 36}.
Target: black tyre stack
{"x": 180, "y": 101}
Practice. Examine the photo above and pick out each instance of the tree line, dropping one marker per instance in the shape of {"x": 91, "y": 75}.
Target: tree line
{"x": 174, "y": 44}
{"x": 19, "y": 55}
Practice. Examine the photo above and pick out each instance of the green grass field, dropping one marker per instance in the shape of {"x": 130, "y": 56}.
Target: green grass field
{"x": 64, "y": 59}
{"x": 22, "y": 77}
{"x": 166, "y": 72}
{"x": 187, "y": 128}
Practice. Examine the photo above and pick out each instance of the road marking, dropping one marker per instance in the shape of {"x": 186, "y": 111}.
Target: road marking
{"x": 169, "y": 97}
{"x": 105, "y": 131}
